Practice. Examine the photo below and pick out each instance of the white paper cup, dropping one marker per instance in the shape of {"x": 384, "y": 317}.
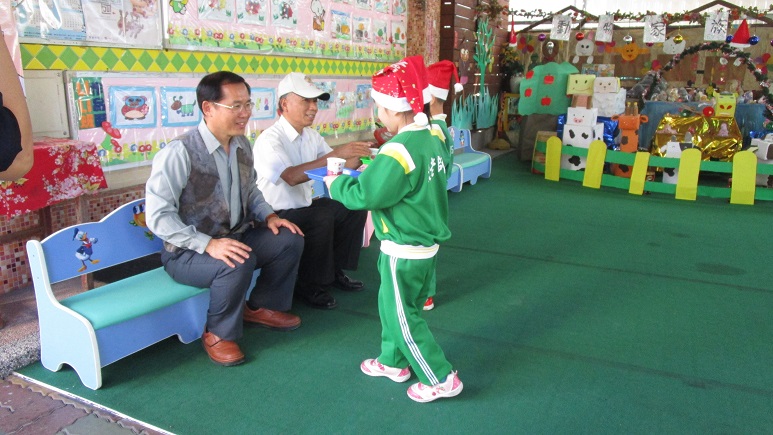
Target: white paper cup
{"x": 373, "y": 152}
{"x": 335, "y": 166}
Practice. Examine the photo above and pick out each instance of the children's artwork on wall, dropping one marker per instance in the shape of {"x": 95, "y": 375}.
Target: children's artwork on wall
{"x": 113, "y": 22}
{"x": 125, "y": 139}
{"x": 283, "y": 13}
{"x": 252, "y": 11}
{"x": 381, "y": 6}
{"x": 330, "y": 88}
{"x": 132, "y": 107}
{"x": 318, "y": 11}
{"x": 362, "y": 31}
{"x": 296, "y": 27}
{"x": 364, "y": 4}
{"x": 265, "y": 103}
{"x": 399, "y": 7}
{"x": 362, "y": 95}
{"x": 179, "y": 107}
{"x": 347, "y": 2}
{"x": 345, "y": 104}
{"x": 399, "y": 35}
{"x": 217, "y": 10}
{"x": 380, "y": 31}
{"x": 342, "y": 25}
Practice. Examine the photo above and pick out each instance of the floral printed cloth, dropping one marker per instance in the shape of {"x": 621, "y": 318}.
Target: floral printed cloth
{"x": 63, "y": 169}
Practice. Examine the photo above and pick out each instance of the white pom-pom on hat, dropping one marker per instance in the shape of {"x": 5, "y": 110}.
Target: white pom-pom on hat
{"x": 421, "y": 119}
{"x": 458, "y": 87}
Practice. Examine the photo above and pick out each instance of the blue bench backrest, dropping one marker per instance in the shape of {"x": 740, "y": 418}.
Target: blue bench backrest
{"x": 462, "y": 137}
{"x": 119, "y": 237}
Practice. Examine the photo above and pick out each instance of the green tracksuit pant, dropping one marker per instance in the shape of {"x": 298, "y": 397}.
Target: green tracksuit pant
{"x": 405, "y": 336}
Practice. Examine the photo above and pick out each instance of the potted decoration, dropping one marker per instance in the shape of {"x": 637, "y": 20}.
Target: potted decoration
{"x": 512, "y": 67}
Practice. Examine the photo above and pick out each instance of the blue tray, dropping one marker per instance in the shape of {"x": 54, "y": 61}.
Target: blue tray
{"x": 320, "y": 173}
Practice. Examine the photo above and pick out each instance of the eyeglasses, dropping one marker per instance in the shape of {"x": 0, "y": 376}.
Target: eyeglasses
{"x": 237, "y": 108}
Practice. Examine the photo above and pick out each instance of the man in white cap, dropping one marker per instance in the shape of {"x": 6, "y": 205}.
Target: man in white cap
{"x": 283, "y": 152}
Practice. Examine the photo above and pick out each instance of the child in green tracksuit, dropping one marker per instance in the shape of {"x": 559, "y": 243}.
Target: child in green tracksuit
{"x": 405, "y": 189}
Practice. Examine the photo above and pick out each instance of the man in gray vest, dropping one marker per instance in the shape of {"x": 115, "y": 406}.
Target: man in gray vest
{"x": 203, "y": 201}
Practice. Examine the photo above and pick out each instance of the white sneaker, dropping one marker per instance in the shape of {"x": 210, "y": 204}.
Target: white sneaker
{"x": 372, "y": 367}
{"x": 425, "y": 393}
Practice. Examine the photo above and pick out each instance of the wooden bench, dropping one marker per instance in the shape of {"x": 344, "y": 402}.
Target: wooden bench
{"x": 98, "y": 327}
{"x": 472, "y": 163}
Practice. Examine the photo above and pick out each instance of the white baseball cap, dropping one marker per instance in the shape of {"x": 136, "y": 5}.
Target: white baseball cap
{"x": 298, "y": 83}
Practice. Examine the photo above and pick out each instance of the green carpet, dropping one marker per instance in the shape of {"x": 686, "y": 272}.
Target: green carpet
{"x": 565, "y": 310}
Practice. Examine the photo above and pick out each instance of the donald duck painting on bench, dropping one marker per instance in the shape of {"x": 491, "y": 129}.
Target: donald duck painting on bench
{"x": 85, "y": 250}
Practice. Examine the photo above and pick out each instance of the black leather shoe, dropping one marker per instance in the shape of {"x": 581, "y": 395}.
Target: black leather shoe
{"x": 345, "y": 283}
{"x": 317, "y": 297}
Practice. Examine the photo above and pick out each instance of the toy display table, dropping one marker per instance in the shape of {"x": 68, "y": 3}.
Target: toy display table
{"x": 749, "y": 117}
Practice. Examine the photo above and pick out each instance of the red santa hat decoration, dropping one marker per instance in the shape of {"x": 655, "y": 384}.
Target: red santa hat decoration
{"x": 440, "y": 74}
{"x": 403, "y": 87}
{"x": 741, "y": 37}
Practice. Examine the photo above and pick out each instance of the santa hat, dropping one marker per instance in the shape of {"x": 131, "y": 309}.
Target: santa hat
{"x": 741, "y": 37}
{"x": 403, "y": 87}
{"x": 439, "y": 75}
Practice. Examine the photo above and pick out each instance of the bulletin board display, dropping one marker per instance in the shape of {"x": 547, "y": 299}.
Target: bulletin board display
{"x": 132, "y": 117}
{"x": 353, "y": 29}
{"x": 125, "y": 23}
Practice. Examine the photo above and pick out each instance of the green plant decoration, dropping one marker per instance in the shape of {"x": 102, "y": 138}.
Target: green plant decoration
{"x": 483, "y": 45}
{"x": 462, "y": 112}
{"x": 486, "y": 108}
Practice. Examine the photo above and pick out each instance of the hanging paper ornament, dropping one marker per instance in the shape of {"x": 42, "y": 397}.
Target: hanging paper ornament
{"x": 579, "y": 36}
{"x": 754, "y": 40}
{"x": 628, "y": 39}
{"x": 584, "y": 48}
{"x": 678, "y": 38}
{"x": 541, "y": 37}
{"x": 672, "y": 46}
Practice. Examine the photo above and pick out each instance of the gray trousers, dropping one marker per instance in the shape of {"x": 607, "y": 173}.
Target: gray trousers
{"x": 277, "y": 256}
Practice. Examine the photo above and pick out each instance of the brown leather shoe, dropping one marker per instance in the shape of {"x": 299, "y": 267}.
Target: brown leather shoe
{"x": 223, "y": 352}
{"x": 271, "y": 319}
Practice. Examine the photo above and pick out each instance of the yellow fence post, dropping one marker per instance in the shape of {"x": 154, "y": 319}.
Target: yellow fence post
{"x": 639, "y": 173}
{"x": 689, "y": 169}
{"x": 744, "y": 178}
{"x": 553, "y": 159}
{"x": 594, "y": 165}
